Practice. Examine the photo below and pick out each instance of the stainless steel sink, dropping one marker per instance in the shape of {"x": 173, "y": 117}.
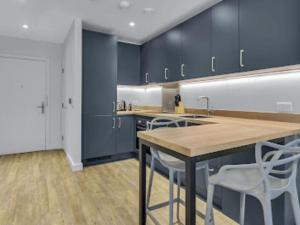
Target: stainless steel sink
{"x": 194, "y": 116}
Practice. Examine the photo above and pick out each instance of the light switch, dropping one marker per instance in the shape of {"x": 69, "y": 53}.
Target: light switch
{"x": 284, "y": 107}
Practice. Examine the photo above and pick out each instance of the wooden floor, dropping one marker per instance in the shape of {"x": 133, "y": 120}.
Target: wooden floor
{"x": 39, "y": 189}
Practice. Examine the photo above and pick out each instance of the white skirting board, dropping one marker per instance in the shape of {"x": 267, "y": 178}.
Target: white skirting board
{"x": 75, "y": 167}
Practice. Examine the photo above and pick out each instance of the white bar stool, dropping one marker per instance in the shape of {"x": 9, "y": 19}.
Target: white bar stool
{"x": 268, "y": 178}
{"x": 174, "y": 165}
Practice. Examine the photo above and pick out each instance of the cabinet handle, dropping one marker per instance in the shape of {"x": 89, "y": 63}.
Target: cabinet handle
{"x": 213, "y": 64}
{"x": 114, "y": 106}
{"x": 146, "y": 79}
{"x": 182, "y": 70}
{"x": 166, "y": 73}
{"x": 120, "y": 122}
{"x": 241, "y": 58}
{"x": 114, "y": 123}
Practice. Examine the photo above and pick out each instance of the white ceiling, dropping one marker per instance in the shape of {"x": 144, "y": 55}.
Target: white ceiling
{"x": 49, "y": 20}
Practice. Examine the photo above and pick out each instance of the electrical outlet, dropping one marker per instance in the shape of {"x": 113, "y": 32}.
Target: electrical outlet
{"x": 284, "y": 107}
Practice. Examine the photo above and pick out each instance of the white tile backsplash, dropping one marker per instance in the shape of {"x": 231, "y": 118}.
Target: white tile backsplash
{"x": 140, "y": 96}
{"x": 257, "y": 94}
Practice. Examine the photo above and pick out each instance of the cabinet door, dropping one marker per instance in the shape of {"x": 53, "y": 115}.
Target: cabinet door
{"x": 196, "y": 45}
{"x": 99, "y": 73}
{"x": 157, "y": 59}
{"x": 98, "y": 136}
{"x": 125, "y": 134}
{"x": 269, "y": 33}
{"x": 173, "y": 54}
{"x": 225, "y": 37}
{"x": 128, "y": 64}
{"x": 145, "y": 63}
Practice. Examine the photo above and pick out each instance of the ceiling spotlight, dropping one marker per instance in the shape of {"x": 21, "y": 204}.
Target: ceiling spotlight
{"x": 132, "y": 24}
{"x": 124, "y": 4}
{"x": 25, "y": 26}
{"x": 148, "y": 10}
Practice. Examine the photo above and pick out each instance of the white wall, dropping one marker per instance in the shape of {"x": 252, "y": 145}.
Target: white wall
{"x": 141, "y": 96}
{"x": 71, "y": 89}
{"x": 257, "y": 94}
{"x": 53, "y": 53}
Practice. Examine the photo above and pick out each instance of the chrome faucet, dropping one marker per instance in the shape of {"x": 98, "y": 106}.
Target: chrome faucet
{"x": 207, "y": 103}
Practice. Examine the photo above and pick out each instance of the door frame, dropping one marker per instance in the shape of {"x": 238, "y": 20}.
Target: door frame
{"x": 47, "y": 89}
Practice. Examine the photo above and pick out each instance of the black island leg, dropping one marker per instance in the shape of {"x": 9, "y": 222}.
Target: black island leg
{"x": 190, "y": 197}
{"x": 142, "y": 189}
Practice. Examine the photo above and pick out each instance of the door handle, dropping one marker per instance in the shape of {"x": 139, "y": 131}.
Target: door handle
{"x": 213, "y": 64}
{"x": 242, "y": 58}
{"x": 114, "y": 123}
{"x": 166, "y": 73}
{"x": 114, "y": 106}
{"x": 120, "y": 122}
{"x": 146, "y": 78}
{"x": 182, "y": 70}
{"x": 42, "y": 107}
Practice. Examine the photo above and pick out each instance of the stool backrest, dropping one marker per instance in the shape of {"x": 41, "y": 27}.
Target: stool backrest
{"x": 281, "y": 162}
{"x": 160, "y": 123}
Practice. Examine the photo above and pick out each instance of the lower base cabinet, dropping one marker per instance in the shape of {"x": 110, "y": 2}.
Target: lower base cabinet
{"x": 125, "y": 134}
{"x": 107, "y": 136}
{"x": 98, "y": 136}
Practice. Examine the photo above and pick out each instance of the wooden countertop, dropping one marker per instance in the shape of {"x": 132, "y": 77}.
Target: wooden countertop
{"x": 216, "y": 133}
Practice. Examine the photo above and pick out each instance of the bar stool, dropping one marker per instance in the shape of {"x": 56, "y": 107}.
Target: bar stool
{"x": 174, "y": 165}
{"x": 272, "y": 175}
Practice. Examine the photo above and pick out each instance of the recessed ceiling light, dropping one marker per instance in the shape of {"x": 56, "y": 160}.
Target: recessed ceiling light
{"x": 25, "y": 26}
{"x": 132, "y": 24}
{"x": 124, "y": 4}
{"x": 148, "y": 10}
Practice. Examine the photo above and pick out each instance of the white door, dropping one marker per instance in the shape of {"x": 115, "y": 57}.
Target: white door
{"x": 22, "y": 105}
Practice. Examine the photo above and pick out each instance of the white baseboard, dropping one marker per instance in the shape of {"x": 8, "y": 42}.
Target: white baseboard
{"x": 75, "y": 167}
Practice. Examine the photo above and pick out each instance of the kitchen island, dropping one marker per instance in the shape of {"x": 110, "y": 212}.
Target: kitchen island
{"x": 217, "y": 136}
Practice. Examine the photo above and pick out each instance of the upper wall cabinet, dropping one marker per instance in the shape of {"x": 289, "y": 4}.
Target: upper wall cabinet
{"x": 269, "y": 33}
{"x": 225, "y": 37}
{"x": 196, "y": 46}
{"x": 128, "y": 64}
{"x": 173, "y": 42}
{"x": 153, "y": 61}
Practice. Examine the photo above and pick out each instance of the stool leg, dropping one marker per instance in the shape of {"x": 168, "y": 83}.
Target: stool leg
{"x": 209, "y": 219}
{"x": 178, "y": 196}
{"x": 242, "y": 208}
{"x": 171, "y": 195}
{"x": 267, "y": 208}
{"x": 206, "y": 173}
{"x": 150, "y": 181}
{"x": 295, "y": 204}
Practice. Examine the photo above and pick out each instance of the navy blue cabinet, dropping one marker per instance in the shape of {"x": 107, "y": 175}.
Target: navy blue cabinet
{"x": 128, "y": 64}
{"x": 99, "y": 73}
{"x": 145, "y": 63}
{"x": 153, "y": 61}
{"x": 98, "y": 136}
{"x": 98, "y": 94}
{"x": 225, "y": 37}
{"x": 269, "y": 33}
{"x": 196, "y": 46}
{"x": 173, "y": 45}
{"x": 125, "y": 134}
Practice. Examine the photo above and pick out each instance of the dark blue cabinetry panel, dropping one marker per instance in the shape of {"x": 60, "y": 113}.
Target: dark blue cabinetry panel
{"x": 98, "y": 94}
{"x": 173, "y": 45}
{"x": 269, "y": 33}
{"x": 128, "y": 64}
{"x": 99, "y": 73}
{"x": 225, "y": 37}
{"x": 99, "y": 136}
{"x": 126, "y": 134}
{"x": 196, "y": 45}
